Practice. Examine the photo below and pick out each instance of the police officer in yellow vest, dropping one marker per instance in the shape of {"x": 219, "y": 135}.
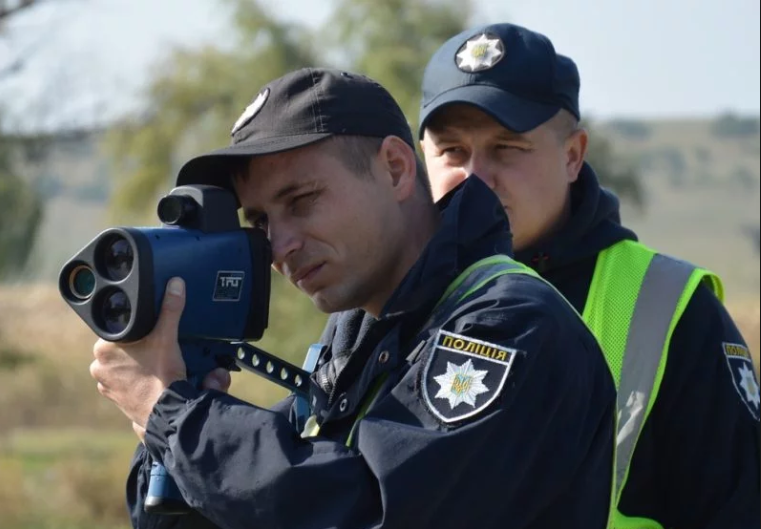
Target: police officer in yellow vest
{"x": 499, "y": 103}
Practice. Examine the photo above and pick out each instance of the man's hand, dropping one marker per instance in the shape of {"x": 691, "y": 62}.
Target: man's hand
{"x": 218, "y": 379}
{"x": 134, "y": 375}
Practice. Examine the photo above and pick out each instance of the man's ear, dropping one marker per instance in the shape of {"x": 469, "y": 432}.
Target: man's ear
{"x": 576, "y": 151}
{"x": 397, "y": 161}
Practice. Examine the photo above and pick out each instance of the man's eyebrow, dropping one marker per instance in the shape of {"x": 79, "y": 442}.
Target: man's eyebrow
{"x": 452, "y": 132}
{"x": 505, "y": 134}
{"x": 252, "y": 213}
{"x": 289, "y": 189}
{"x": 444, "y": 130}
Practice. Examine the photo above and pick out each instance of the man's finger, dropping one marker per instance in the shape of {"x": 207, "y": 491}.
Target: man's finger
{"x": 219, "y": 379}
{"x": 171, "y": 309}
{"x": 139, "y": 431}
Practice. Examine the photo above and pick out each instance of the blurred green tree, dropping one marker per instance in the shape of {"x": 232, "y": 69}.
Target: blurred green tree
{"x": 392, "y": 41}
{"x": 196, "y": 94}
{"x": 193, "y": 99}
{"x": 7, "y": 11}
{"x": 20, "y": 213}
{"x": 729, "y": 126}
{"x": 20, "y": 205}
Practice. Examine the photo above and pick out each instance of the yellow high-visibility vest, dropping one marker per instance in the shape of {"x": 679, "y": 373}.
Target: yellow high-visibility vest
{"x": 636, "y": 298}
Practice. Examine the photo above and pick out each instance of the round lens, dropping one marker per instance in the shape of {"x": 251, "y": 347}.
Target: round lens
{"x": 115, "y": 312}
{"x": 118, "y": 258}
{"x": 170, "y": 209}
{"x": 82, "y": 282}
{"x": 174, "y": 209}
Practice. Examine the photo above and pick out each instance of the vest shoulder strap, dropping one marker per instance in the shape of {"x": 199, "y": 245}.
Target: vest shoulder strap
{"x": 636, "y": 298}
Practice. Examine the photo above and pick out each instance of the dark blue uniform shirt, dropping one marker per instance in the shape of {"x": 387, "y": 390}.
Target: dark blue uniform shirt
{"x": 453, "y": 440}
{"x": 696, "y": 465}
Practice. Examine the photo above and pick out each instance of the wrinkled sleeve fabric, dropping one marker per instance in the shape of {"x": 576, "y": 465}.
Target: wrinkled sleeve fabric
{"x": 137, "y": 489}
{"x": 540, "y": 455}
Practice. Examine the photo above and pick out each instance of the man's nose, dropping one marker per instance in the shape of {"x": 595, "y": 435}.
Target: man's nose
{"x": 479, "y": 166}
{"x": 284, "y": 241}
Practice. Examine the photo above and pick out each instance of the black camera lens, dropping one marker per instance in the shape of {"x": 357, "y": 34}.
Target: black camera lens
{"x": 115, "y": 311}
{"x": 117, "y": 258}
{"x": 174, "y": 209}
{"x": 82, "y": 282}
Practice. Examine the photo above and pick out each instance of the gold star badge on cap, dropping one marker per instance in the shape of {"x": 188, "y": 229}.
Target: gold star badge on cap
{"x": 480, "y": 53}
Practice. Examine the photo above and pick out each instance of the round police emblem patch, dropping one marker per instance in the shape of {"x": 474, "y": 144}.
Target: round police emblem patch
{"x": 480, "y": 53}
{"x": 462, "y": 376}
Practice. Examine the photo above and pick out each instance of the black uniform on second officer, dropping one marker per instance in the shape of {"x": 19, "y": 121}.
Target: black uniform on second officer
{"x": 496, "y": 100}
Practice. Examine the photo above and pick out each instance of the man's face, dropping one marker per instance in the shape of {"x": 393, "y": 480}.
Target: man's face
{"x": 334, "y": 234}
{"x": 530, "y": 172}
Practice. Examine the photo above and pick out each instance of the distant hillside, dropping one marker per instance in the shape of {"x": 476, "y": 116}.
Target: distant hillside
{"x": 702, "y": 183}
{"x": 701, "y": 180}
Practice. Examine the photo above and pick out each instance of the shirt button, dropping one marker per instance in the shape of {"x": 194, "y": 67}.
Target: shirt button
{"x": 343, "y": 405}
{"x": 384, "y": 356}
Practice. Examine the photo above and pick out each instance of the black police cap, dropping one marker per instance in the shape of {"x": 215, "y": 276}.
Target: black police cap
{"x": 507, "y": 71}
{"x": 299, "y": 109}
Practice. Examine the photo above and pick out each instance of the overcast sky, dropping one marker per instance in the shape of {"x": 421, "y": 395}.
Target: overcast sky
{"x": 643, "y": 58}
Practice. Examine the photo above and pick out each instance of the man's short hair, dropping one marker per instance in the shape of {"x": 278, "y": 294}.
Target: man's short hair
{"x": 357, "y": 152}
{"x": 564, "y": 124}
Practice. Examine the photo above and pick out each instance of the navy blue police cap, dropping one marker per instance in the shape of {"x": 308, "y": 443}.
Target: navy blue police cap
{"x": 507, "y": 71}
{"x": 299, "y": 109}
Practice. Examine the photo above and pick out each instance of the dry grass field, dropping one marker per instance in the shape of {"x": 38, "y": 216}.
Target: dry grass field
{"x": 64, "y": 450}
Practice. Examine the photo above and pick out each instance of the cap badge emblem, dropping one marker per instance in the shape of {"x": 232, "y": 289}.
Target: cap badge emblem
{"x": 251, "y": 111}
{"x": 479, "y": 53}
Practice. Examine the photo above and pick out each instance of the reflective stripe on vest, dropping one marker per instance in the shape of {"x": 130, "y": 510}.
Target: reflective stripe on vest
{"x": 467, "y": 283}
{"x": 470, "y": 281}
{"x": 635, "y": 301}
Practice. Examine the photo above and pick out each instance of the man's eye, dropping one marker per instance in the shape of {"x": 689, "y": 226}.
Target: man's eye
{"x": 304, "y": 200}
{"x": 452, "y": 150}
{"x": 261, "y": 222}
{"x": 304, "y": 196}
{"x": 512, "y": 147}
{"x": 455, "y": 154}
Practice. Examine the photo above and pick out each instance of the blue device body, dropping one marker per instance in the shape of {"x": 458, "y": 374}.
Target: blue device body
{"x": 117, "y": 282}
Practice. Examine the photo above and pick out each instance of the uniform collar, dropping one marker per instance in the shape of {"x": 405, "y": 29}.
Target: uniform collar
{"x": 473, "y": 226}
{"x": 595, "y": 224}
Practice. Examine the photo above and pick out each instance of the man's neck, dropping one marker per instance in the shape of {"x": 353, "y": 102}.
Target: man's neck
{"x": 423, "y": 224}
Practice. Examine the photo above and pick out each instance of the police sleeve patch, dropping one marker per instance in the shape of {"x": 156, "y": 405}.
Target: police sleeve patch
{"x": 744, "y": 378}
{"x": 463, "y": 376}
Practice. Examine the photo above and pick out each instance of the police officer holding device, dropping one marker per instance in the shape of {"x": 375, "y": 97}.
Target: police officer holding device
{"x": 473, "y": 394}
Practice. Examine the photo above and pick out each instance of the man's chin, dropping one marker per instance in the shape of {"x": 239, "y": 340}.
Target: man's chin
{"x": 325, "y": 303}
{"x": 329, "y": 302}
